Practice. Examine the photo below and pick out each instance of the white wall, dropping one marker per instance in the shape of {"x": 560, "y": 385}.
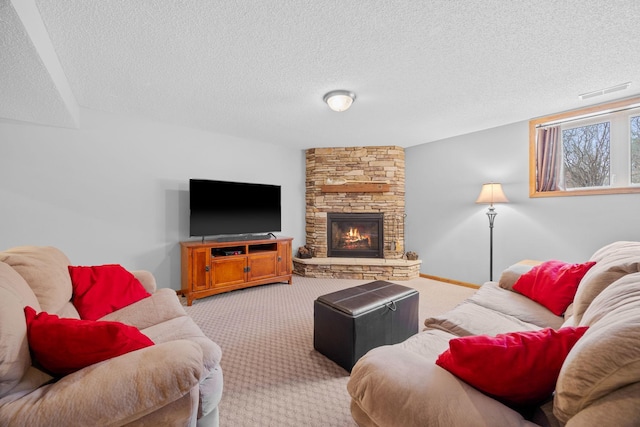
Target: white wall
{"x": 451, "y": 233}
{"x": 116, "y": 190}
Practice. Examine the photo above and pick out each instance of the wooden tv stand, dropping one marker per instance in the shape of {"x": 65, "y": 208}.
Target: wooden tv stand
{"x": 210, "y": 268}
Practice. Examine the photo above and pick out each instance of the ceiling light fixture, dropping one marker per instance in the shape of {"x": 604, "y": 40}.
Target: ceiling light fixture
{"x": 339, "y": 100}
{"x": 605, "y": 91}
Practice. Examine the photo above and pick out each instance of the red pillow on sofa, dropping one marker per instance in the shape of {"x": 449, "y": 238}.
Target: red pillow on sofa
{"x": 103, "y": 289}
{"x": 518, "y": 368}
{"x": 552, "y": 284}
{"x": 63, "y": 346}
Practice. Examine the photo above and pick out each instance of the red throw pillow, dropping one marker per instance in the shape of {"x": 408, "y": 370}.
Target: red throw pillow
{"x": 518, "y": 368}
{"x": 63, "y": 346}
{"x": 103, "y": 289}
{"x": 552, "y": 284}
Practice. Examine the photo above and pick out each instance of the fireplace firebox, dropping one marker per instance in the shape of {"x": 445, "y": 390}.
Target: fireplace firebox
{"x": 355, "y": 235}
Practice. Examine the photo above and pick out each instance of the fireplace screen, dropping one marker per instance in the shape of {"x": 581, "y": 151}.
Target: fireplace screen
{"x": 355, "y": 235}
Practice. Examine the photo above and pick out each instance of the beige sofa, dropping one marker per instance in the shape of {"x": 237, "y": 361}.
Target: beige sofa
{"x": 176, "y": 382}
{"x": 598, "y": 384}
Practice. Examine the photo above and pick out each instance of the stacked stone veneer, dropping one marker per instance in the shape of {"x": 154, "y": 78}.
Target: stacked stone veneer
{"x": 356, "y": 268}
{"x": 385, "y": 164}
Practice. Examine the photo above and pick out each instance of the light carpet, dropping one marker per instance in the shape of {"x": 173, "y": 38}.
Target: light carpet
{"x": 272, "y": 374}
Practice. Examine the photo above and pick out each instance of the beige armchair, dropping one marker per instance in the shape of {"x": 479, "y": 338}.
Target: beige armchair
{"x": 176, "y": 382}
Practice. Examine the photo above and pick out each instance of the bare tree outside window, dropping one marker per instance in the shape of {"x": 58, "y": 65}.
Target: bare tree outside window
{"x": 586, "y": 155}
{"x": 635, "y": 149}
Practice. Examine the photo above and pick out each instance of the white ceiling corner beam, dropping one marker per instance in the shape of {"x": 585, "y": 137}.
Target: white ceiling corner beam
{"x": 30, "y": 17}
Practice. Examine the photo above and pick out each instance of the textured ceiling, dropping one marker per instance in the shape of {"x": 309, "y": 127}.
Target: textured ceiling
{"x": 422, "y": 70}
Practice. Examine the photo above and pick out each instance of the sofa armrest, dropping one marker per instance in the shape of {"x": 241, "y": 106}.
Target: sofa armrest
{"x": 391, "y": 386}
{"x": 511, "y": 274}
{"x": 115, "y": 392}
{"x": 161, "y": 306}
{"x": 147, "y": 279}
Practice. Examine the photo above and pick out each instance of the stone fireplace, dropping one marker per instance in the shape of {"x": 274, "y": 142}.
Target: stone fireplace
{"x": 365, "y": 185}
{"x": 355, "y": 235}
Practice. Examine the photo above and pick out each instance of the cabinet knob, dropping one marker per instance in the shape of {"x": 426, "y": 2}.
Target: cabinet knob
{"x": 207, "y": 268}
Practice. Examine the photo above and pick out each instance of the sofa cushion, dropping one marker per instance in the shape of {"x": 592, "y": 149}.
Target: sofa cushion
{"x": 607, "y": 358}
{"x": 518, "y": 368}
{"x": 513, "y": 304}
{"x": 428, "y": 343}
{"x": 14, "y": 351}
{"x": 469, "y": 318}
{"x": 552, "y": 283}
{"x": 619, "y": 408}
{"x": 44, "y": 268}
{"x": 391, "y": 386}
{"x": 10, "y": 279}
{"x": 102, "y": 289}
{"x": 69, "y": 311}
{"x": 612, "y": 262}
{"x": 63, "y": 346}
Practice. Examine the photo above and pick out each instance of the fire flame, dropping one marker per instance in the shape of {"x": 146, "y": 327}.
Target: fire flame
{"x": 353, "y": 232}
{"x": 353, "y": 238}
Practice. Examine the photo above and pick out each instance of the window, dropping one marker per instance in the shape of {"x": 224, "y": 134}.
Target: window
{"x": 594, "y": 150}
{"x": 586, "y": 153}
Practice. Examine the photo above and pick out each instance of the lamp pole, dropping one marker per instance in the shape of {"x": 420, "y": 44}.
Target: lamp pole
{"x": 491, "y": 213}
{"x": 491, "y": 193}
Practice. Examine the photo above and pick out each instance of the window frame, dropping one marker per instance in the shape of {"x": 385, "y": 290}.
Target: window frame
{"x": 600, "y": 109}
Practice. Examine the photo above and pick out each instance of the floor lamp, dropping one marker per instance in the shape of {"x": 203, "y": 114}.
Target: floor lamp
{"x": 491, "y": 193}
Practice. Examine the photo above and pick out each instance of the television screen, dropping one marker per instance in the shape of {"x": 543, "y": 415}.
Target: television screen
{"x": 222, "y": 207}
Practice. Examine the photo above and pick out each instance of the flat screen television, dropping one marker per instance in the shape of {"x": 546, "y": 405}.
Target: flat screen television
{"x": 233, "y": 208}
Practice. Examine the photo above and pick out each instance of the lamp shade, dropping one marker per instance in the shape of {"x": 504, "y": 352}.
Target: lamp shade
{"x": 339, "y": 100}
{"x": 492, "y": 193}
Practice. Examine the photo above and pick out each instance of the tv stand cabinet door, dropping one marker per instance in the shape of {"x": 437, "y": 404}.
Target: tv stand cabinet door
{"x": 228, "y": 271}
{"x": 285, "y": 265}
{"x": 262, "y": 266}
{"x": 200, "y": 269}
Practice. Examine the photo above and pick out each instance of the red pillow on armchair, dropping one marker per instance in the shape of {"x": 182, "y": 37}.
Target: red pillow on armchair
{"x": 103, "y": 289}
{"x": 63, "y": 346}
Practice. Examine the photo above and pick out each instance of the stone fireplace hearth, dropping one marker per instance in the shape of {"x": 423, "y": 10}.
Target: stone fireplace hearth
{"x": 367, "y": 182}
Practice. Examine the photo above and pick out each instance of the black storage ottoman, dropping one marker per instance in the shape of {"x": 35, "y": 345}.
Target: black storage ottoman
{"x": 350, "y": 322}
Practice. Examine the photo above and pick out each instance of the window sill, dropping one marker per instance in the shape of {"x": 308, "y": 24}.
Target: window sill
{"x": 590, "y": 192}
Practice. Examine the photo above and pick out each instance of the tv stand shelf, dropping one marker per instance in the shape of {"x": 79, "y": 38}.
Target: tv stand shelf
{"x": 210, "y": 268}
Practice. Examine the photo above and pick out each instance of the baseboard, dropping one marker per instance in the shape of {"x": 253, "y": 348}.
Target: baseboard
{"x": 453, "y": 282}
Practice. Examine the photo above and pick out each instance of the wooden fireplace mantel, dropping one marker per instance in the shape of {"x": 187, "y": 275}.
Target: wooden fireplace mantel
{"x": 357, "y": 187}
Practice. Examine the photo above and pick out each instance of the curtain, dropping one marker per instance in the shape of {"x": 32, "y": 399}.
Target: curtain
{"x": 548, "y": 159}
